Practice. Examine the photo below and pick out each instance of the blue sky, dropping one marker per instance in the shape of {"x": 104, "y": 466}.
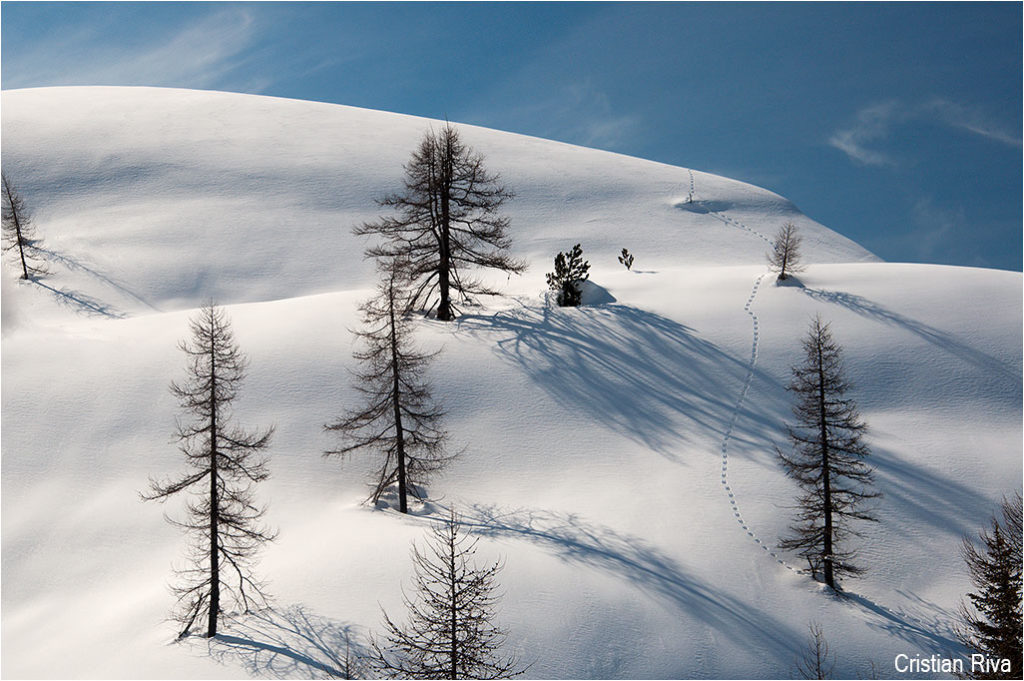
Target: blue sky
{"x": 898, "y": 125}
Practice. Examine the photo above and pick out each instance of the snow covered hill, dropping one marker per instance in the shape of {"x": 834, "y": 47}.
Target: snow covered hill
{"x": 619, "y": 456}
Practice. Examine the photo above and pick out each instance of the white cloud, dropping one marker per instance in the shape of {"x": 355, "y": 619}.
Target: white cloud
{"x": 204, "y": 54}
{"x": 872, "y": 125}
{"x": 970, "y": 119}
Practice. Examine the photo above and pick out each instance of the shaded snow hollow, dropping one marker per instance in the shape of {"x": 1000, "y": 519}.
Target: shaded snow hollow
{"x": 619, "y": 457}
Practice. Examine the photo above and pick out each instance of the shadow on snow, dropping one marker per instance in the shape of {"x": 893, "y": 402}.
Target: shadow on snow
{"x": 636, "y": 372}
{"x": 292, "y": 643}
{"x": 946, "y": 341}
{"x": 639, "y": 563}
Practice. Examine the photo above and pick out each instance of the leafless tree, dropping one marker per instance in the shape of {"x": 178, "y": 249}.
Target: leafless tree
{"x": 446, "y": 222}
{"x": 814, "y": 663}
{"x": 397, "y": 418}
{"x": 19, "y": 233}
{"x": 450, "y": 631}
{"x": 785, "y": 256}
{"x": 828, "y": 459}
{"x": 222, "y": 521}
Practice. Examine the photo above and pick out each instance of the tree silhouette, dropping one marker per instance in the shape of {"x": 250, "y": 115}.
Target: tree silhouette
{"x": 785, "y": 256}
{"x": 450, "y": 631}
{"x": 19, "y": 233}
{"x": 398, "y": 418}
{"x": 991, "y": 625}
{"x": 447, "y": 222}
{"x": 222, "y": 521}
{"x": 571, "y": 270}
{"x": 828, "y": 459}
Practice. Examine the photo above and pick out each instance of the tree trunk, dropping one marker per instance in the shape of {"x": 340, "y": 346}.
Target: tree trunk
{"x": 444, "y": 308}
{"x": 403, "y": 504}
{"x": 454, "y": 607}
{"x": 211, "y": 627}
{"x": 17, "y": 227}
{"x": 825, "y": 476}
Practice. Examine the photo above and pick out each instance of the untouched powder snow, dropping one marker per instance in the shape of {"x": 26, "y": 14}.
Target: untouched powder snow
{"x": 619, "y": 457}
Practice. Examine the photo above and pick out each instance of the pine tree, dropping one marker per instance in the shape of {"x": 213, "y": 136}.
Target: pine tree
{"x": 18, "y": 232}
{"x": 991, "y": 625}
{"x": 571, "y": 270}
{"x": 447, "y": 222}
{"x": 398, "y": 418}
{"x": 222, "y": 521}
{"x": 450, "y": 632}
{"x": 785, "y": 255}
{"x": 828, "y": 459}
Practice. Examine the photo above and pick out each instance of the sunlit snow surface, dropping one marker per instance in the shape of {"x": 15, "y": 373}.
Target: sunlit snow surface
{"x": 619, "y": 457}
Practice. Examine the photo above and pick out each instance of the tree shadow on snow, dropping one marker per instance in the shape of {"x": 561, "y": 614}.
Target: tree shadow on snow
{"x": 78, "y": 265}
{"x": 291, "y": 643}
{"x": 641, "y": 564}
{"x": 929, "y": 497}
{"x": 636, "y": 372}
{"x": 934, "y": 636}
{"x": 946, "y": 341}
{"x": 81, "y": 302}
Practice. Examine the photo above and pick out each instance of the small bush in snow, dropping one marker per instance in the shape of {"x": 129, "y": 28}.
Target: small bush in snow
{"x": 626, "y": 258}
{"x": 571, "y": 270}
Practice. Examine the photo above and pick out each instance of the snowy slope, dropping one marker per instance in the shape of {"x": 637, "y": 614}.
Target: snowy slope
{"x": 618, "y": 456}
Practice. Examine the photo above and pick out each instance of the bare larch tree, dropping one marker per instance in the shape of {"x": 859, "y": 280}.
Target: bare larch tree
{"x": 785, "y": 256}
{"x": 828, "y": 459}
{"x": 19, "y": 233}
{"x": 991, "y": 624}
{"x": 450, "y": 631}
{"x": 398, "y": 417}
{"x": 223, "y": 523}
{"x": 814, "y": 662}
{"x": 447, "y": 221}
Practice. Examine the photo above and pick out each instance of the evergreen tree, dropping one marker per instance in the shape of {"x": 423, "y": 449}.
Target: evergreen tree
{"x": 991, "y": 625}
{"x": 398, "y": 418}
{"x": 18, "y": 232}
{"x": 222, "y": 520}
{"x": 450, "y": 632}
{"x": 571, "y": 270}
{"x": 626, "y": 259}
{"x": 828, "y": 459}
{"x": 785, "y": 255}
{"x": 447, "y": 222}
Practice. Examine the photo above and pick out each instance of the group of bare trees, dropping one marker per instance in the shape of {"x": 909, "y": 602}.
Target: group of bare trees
{"x": 829, "y": 462}
{"x": 447, "y": 223}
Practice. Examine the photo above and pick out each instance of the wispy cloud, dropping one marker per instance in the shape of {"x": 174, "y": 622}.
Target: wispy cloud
{"x": 207, "y": 53}
{"x": 587, "y": 115}
{"x": 970, "y": 119}
{"x": 580, "y": 113}
{"x": 872, "y": 125}
{"x": 876, "y": 123}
